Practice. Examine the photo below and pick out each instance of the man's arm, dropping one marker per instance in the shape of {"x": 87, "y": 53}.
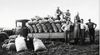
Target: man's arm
{"x": 63, "y": 26}
{"x": 86, "y": 27}
{"x": 95, "y": 25}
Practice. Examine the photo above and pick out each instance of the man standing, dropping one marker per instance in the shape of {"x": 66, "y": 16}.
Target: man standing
{"x": 67, "y": 14}
{"x": 58, "y": 12}
{"x": 76, "y": 31}
{"x": 82, "y": 31}
{"x": 66, "y": 28}
{"x": 77, "y": 17}
{"x": 91, "y": 27}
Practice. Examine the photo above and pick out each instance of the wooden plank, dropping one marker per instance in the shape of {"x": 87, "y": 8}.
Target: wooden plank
{"x": 46, "y": 35}
{"x": 56, "y": 35}
{"x": 39, "y": 35}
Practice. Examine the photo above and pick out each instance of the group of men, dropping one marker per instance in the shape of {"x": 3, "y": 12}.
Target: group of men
{"x": 78, "y": 27}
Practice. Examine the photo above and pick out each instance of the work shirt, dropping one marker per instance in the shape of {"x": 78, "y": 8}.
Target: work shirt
{"x": 66, "y": 26}
{"x": 68, "y": 14}
{"x": 58, "y": 12}
{"x": 90, "y": 25}
{"x": 82, "y": 26}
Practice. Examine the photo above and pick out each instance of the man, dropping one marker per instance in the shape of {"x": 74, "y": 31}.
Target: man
{"x": 77, "y": 17}
{"x": 76, "y": 31}
{"x": 91, "y": 30}
{"x": 66, "y": 28}
{"x": 67, "y": 14}
{"x": 58, "y": 12}
{"x": 82, "y": 31}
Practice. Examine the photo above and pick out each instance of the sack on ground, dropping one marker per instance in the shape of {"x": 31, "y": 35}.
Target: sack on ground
{"x": 20, "y": 43}
{"x": 4, "y": 46}
{"x": 12, "y": 36}
{"x": 38, "y": 44}
{"x": 11, "y": 46}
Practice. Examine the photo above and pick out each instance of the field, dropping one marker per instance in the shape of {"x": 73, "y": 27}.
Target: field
{"x": 57, "y": 47}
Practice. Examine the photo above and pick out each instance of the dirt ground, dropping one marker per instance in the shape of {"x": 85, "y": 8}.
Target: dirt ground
{"x": 57, "y": 47}
{"x": 60, "y": 48}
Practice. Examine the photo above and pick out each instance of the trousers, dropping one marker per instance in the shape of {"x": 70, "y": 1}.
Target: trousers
{"x": 92, "y": 35}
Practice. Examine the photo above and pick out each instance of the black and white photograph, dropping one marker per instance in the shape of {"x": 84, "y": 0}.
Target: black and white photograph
{"x": 49, "y": 27}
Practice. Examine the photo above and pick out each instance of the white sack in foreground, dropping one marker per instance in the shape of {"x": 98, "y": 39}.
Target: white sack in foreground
{"x": 20, "y": 43}
{"x": 38, "y": 44}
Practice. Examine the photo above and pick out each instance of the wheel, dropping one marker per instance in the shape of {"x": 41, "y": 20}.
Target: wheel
{"x": 3, "y": 36}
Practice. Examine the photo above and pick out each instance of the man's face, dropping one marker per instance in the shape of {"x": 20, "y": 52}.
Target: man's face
{"x": 89, "y": 20}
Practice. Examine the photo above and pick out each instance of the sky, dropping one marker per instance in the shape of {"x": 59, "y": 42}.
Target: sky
{"x": 11, "y": 10}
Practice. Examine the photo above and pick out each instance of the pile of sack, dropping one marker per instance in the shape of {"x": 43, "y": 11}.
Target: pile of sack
{"x": 18, "y": 43}
{"x": 45, "y": 25}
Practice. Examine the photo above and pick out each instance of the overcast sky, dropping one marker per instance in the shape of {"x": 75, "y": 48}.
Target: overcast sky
{"x": 10, "y": 10}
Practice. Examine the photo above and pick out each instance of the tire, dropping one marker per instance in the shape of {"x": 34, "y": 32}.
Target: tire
{"x": 3, "y": 36}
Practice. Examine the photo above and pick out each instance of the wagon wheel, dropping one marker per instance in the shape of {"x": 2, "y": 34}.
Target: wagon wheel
{"x": 3, "y": 36}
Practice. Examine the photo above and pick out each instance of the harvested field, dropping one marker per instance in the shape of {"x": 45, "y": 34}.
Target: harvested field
{"x": 60, "y": 48}
{"x": 57, "y": 47}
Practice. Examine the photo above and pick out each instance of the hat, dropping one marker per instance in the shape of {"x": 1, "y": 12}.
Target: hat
{"x": 89, "y": 19}
{"x": 68, "y": 10}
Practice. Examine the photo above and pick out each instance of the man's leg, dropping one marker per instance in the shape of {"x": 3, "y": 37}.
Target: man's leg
{"x": 93, "y": 35}
{"x": 65, "y": 34}
{"x": 76, "y": 38}
{"x": 82, "y": 36}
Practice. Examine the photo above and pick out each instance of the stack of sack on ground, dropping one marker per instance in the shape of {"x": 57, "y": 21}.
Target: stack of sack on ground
{"x": 19, "y": 43}
{"x": 46, "y": 25}
{"x": 9, "y": 44}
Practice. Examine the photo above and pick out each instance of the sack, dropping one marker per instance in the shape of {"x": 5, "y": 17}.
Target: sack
{"x": 12, "y": 36}
{"x": 25, "y": 53}
{"x": 54, "y": 27}
{"x": 11, "y": 46}
{"x": 30, "y": 23}
{"x": 29, "y": 27}
{"x": 44, "y": 28}
{"x": 20, "y": 43}
{"x": 38, "y": 44}
{"x": 49, "y": 27}
{"x": 57, "y": 21}
{"x": 39, "y": 27}
{"x": 63, "y": 21}
{"x": 50, "y": 20}
{"x": 11, "y": 40}
{"x": 59, "y": 27}
{"x": 35, "y": 22}
{"x": 4, "y": 46}
{"x": 35, "y": 28}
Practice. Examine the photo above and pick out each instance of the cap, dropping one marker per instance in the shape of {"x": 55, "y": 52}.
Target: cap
{"x": 89, "y": 19}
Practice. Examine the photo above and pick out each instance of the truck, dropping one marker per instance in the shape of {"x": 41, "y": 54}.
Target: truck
{"x": 41, "y": 35}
